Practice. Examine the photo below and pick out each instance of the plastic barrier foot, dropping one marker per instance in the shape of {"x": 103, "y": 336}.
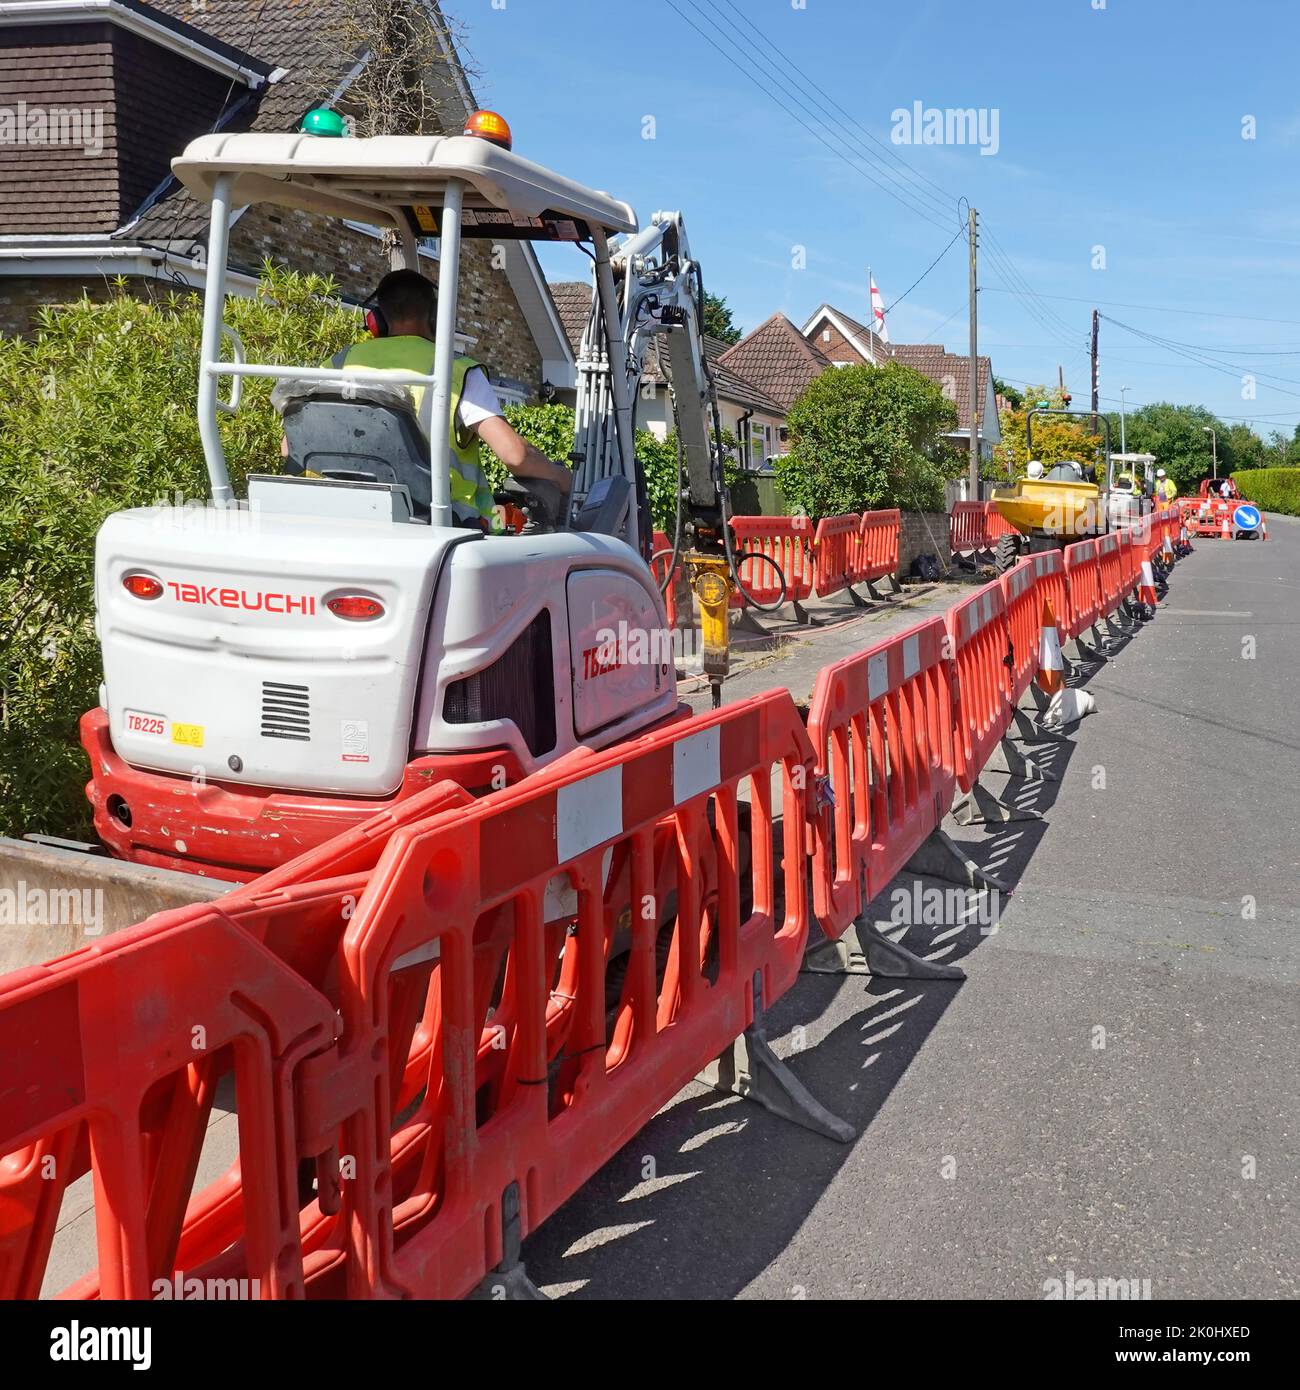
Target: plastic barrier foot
{"x": 858, "y": 600}
{"x": 1006, "y": 757}
{"x": 895, "y": 588}
{"x": 751, "y": 1069}
{"x": 939, "y": 856}
{"x": 1035, "y": 733}
{"x": 508, "y": 1282}
{"x": 865, "y": 950}
{"x": 980, "y": 807}
{"x": 745, "y": 621}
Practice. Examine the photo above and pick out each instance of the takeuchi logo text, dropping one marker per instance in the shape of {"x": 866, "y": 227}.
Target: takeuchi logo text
{"x": 213, "y": 596}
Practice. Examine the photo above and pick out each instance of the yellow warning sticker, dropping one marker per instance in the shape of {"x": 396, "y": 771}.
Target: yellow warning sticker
{"x": 189, "y": 734}
{"x": 424, "y": 218}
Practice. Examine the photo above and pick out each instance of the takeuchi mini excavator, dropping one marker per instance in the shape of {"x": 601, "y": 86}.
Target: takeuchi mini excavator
{"x": 277, "y": 667}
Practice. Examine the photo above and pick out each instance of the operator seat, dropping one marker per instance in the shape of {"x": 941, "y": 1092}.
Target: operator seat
{"x": 368, "y": 433}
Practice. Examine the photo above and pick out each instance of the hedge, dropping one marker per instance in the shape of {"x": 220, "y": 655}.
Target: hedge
{"x": 1272, "y": 489}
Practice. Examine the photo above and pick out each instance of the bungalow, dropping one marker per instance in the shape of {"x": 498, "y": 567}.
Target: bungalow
{"x": 79, "y": 208}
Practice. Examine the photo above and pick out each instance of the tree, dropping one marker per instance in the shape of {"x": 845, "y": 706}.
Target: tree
{"x": 1008, "y": 393}
{"x": 1175, "y": 434}
{"x": 1241, "y": 447}
{"x": 718, "y": 321}
{"x": 1055, "y": 437}
{"x": 864, "y": 437}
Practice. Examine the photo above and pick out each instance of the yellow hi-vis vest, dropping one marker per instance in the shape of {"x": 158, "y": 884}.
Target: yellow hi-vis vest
{"x": 471, "y": 493}
{"x": 1166, "y": 490}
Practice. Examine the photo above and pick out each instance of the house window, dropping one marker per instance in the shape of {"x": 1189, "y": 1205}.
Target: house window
{"x": 826, "y": 335}
{"x": 757, "y": 444}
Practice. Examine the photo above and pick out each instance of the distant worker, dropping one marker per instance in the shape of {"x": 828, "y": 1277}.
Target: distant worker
{"x": 1228, "y": 489}
{"x": 1166, "y": 490}
{"x": 402, "y": 317}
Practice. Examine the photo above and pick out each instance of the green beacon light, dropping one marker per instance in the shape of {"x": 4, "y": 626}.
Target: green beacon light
{"x": 324, "y": 120}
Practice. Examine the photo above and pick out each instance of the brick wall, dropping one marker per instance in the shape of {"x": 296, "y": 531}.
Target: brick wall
{"x": 923, "y": 533}
{"x": 488, "y": 310}
{"x": 22, "y": 297}
{"x": 837, "y": 347}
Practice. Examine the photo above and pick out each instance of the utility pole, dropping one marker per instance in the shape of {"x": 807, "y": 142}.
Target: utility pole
{"x": 972, "y": 235}
{"x": 1095, "y": 379}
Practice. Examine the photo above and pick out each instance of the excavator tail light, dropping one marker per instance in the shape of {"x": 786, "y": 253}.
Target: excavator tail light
{"x": 142, "y": 585}
{"x": 356, "y": 608}
{"x": 487, "y": 125}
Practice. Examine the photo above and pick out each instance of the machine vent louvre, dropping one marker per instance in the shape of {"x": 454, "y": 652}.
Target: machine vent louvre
{"x": 518, "y": 686}
{"x": 286, "y": 711}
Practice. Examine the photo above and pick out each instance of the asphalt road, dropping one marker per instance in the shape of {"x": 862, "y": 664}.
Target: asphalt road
{"x": 1115, "y": 1090}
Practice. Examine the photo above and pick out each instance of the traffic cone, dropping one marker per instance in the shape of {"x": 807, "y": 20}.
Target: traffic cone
{"x": 1051, "y": 666}
{"x": 1167, "y": 556}
{"x": 1225, "y": 531}
{"x": 1147, "y": 586}
{"x": 1184, "y": 540}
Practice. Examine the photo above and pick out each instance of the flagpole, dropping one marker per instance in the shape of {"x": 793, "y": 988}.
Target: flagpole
{"x": 871, "y": 314}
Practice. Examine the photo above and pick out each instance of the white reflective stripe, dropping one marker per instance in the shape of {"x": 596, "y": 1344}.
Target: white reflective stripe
{"x": 697, "y": 764}
{"x": 1049, "y": 649}
{"x": 911, "y": 656}
{"x": 877, "y": 675}
{"x": 431, "y": 950}
{"x": 988, "y": 609}
{"x": 587, "y": 812}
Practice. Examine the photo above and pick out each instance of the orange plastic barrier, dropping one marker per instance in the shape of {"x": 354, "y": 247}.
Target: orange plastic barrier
{"x": 976, "y": 526}
{"x": 513, "y": 1007}
{"x": 977, "y": 629}
{"x": 1110, "y": 573}
{"x": 588, "y": 1057}
{"x": 98, "y": 1099}
{"x": 877, "y": 550}
{"x": 1023, "y": 602}
{"x": 1049, "y": 580}
{"x": 1084, "y": 582}
{"x": 659, "y": 568}
{"x": 786, "y": 539}
{"x": 836, "y": 553}
{"x": 881, "y": 727}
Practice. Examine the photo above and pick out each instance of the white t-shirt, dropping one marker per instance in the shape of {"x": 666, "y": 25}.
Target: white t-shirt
{"x": 478, "y": 400}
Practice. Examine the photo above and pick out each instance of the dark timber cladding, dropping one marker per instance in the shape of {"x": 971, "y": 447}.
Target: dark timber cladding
{"x": 143, "y": 102}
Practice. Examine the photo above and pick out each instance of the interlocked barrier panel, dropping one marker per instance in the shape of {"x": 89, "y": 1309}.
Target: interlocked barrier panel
{"x": 1129, "y": 564}
{"x": 881, "y": 725}
{"x": 1110, "y": 573}
{"x": 1049, "y": 580}
{"x": 980, "y": 642}
{"x": 1023, "y": 602}
{"x": 661, "y": 557}
{"x": 112, "y": 1057}
{"x": 877, "y": 550}
{"x": 1084, "y": 583}
{"x": 836, "y": 553}
{"x": 524, "y": 1012}
{"x": 788, "y": 540}
{"x": 556, "y": 1037}
{"x": 976, "y": 526}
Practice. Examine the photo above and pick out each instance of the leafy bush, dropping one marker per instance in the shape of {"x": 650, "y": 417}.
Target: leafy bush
{"x": 1273, "y": 489}
{"x": 97, "y": 413}
{"x": 865, "y": 437}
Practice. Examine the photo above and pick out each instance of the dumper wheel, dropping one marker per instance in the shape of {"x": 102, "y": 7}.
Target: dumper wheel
{"x": 1006, "y": 553}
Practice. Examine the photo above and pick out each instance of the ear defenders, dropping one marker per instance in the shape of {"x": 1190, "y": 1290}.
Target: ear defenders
{"x": 377, "y": 324}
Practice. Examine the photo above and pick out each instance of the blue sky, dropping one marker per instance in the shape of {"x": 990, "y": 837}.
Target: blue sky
{"x": 1118, "y": 127}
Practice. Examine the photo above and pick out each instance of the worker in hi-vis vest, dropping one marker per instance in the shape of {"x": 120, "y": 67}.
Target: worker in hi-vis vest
{"x": 1166, "y": 490}
{"x": 402, "y": 315}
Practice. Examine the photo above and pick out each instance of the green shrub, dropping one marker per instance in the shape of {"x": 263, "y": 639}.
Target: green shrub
{"x": 1273, "y": 489}
{"x": 865, "y": 437}
{"x": 97, "y": 413}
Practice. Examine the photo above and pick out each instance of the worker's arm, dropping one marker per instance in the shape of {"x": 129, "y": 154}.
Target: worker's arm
{"x": 518, "y": 455}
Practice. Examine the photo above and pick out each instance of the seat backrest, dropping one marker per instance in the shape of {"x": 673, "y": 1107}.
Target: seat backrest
{"x": 359, "y": 438}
